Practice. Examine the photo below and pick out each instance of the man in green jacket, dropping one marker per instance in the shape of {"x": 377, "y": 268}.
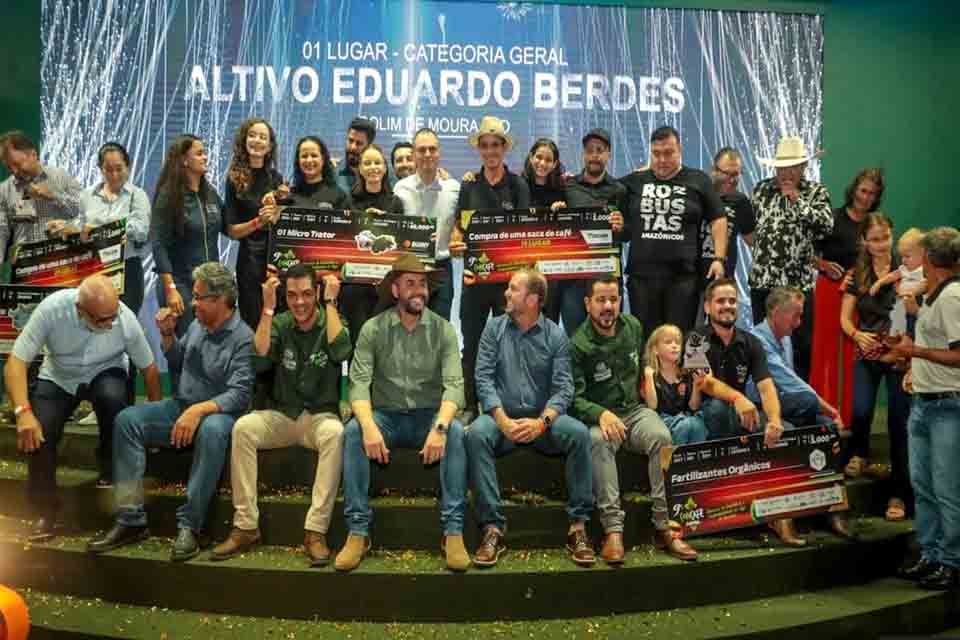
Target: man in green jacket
{"x": 607, "y": 353}
{"x": 307, "y": 345}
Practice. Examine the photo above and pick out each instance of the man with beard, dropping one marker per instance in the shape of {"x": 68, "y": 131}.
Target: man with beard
{"x": 402, "y": 160}
{"x": 213, "y": 361}
{"x": 593, "y": 187}
{"x": 666, "y": 204}
{"x": 307, "y": 344}
{"x": 406, "y": 386}
{"x": 741, "y": 221}
{"x": 525, "y": 387}
{"x": 735, "y": 357}
{"x": 607, "y": 374}
{"x": 360, "y": 133}
{"x": 494, "y": 187}
{"x": 86, "y": 336}
{"x": 431, "y": 194}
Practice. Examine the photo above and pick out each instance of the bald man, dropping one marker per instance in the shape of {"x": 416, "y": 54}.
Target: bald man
{"x": 88, "y": 339}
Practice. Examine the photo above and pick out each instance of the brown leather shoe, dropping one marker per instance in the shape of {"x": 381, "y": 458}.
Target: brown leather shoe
{"x": 787, "y": 533}
{"x": 612, "y": 551}
{"x": 315, "y": 546}
{"x": 840, "y": 525}
{"x": 490, "y": 549}
{"x": 354, "y": 549}
{"x": 239, "y": 541}
{"x": 670, "y": 541}
{"x": 578, "y": 544}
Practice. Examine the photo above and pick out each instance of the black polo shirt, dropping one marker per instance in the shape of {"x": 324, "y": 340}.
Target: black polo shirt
{"x": 511, "y": 192}
{"x": 608, "y": 191}
{"x": 742, "y": 359}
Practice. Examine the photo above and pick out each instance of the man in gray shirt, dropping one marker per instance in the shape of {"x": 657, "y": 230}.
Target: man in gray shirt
{"x": 214, "y": 362}
{"x": 86, "y": 335}
{"x": 36, "y": 200}
{"x": 426, "y": 193}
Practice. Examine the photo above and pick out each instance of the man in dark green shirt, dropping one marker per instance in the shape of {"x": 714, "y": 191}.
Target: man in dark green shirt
{"x": 607, "y": 353}
{"x": 307, "y": 345}
{"x": 406, "y": 386}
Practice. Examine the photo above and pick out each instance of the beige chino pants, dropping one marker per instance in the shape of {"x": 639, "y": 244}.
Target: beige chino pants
{"x": 322, "y": 432}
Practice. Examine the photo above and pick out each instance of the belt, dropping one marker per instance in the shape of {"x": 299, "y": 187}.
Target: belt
{"x": 944, "y": 395}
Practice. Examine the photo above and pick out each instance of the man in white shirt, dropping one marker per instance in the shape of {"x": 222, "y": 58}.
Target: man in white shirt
{"x": 426, "y": 194}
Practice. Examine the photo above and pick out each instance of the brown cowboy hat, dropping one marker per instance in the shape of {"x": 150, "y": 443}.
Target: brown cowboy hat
{"x": 404, "y": 263}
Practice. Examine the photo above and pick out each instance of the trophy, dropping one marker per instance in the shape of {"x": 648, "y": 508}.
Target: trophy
{"x": 695, "y": 352}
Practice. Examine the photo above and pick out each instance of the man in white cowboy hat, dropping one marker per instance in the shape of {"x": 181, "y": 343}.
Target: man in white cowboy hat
{"x": 494, "y": 187}
{"x": 406, "y": 386}
{"x": 792, "y": 214}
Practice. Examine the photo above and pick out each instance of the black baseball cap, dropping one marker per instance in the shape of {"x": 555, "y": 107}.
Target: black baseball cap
{"x": 599, "y": 134}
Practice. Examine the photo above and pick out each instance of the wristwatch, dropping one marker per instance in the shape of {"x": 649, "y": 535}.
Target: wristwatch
{"x": 547, "y": 421}
{"x": 441, "y": 428}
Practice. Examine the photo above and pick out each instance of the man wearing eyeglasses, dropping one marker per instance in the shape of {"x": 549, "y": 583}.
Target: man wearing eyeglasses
{"x": 214, "y": 360}
{"x": 741, "y": 220}
{"x": 88, "y": 337}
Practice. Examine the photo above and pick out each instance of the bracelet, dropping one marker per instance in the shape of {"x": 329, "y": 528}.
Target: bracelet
{"x": 268, "y": 312}
{"x": 167, "y": 335}
{"x": 719, "y": 258}
{"x": 22, "y": 408}
{"x": 256, "y": 223}
{"x": 332, "y": 301}
{"x": 172, "y": 286}
{"x": 543, "y": 426}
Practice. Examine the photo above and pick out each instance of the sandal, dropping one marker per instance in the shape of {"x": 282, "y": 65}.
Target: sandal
{"x": 855, "y": 467}
{"x": 896, "y": 510}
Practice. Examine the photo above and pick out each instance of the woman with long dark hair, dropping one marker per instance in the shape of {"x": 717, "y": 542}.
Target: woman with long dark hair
{"x": 252, "y": 174}
{"x": 314, "y": 180}
{"x": 187, "y": 223}
{"x": 865, "y": 319}
{"x": 544, "y": 174}
{"x": 832, "y": 352}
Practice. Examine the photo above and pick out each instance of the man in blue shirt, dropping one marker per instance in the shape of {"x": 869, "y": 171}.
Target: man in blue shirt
{"x": 86, "y": 336}
{"x": 214, "y": 363}
{"x": 799, "y": 403}
{"x": 525, "y": 385}
{"x": 360, "y": 134}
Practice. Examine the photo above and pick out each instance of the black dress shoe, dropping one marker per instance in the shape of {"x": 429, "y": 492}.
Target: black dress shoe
{"x": 943, "y": 579}
{"x": 119, "y": 536}
{"x": 185, "y": 546}
{"x": 919, "y": 570}
{"x": 42, "y": 530}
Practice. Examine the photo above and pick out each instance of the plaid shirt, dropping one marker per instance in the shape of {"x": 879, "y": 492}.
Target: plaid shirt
{"x": 65, "y": 205}
{"x": 783, "y": 249}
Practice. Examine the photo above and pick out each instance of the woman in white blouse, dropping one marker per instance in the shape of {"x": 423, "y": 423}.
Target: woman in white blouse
{"x": 114, "y": 199}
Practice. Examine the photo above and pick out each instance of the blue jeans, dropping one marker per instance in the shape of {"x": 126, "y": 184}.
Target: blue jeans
{"x": 403, "y": 430}
{"x": 685, "y": 428}
{"x": 52, "y": 406}
{"x": 150, "y": 425}
{"x": 567, "y": 436}
{"x": 722, "y": 420}
{"x": 934, "y": 429}
{"x": 868, "y": 375}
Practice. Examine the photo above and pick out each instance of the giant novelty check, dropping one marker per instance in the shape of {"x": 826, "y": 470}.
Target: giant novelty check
{"x": 562, "y": 244}
{"x": 40, "y": 268}
{"x": 738, "y": 482}
{"x": 358, "y": 246}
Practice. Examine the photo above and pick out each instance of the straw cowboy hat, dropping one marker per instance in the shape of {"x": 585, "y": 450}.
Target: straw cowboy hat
{"x": 404, "y": 263}
{"x": 790, "y": 152}
{"x": 491, "y": 126}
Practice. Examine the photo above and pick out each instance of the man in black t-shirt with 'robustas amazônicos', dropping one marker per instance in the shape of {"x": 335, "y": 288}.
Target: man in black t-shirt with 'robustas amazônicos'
{"x": 665, "y": 206}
